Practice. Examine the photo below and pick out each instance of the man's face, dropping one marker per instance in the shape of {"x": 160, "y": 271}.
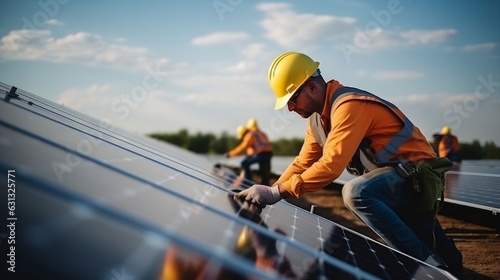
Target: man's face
{"x": 301, "y": 102}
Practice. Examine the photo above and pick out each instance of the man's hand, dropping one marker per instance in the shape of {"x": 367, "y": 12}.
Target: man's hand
{"x": 260, "y": 194}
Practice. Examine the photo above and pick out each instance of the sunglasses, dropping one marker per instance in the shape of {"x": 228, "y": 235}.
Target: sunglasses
{"x": 293, "y": 99}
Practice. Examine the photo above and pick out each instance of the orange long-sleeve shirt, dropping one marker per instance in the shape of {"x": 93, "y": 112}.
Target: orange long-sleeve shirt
{"x": 353, "y": 120}
{"x": 254, "y": 142}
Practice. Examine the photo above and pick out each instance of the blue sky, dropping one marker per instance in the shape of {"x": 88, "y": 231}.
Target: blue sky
{"x": 159, "y": 66}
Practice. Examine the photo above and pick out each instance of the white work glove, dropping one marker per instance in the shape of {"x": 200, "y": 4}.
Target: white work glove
{"x": 260, "y": 194}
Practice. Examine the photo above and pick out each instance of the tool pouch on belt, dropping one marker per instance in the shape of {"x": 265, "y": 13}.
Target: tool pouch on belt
{"x": 428, "y": 183}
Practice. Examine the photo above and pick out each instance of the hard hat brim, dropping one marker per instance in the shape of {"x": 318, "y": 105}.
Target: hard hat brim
{"x": 281, "y": 101}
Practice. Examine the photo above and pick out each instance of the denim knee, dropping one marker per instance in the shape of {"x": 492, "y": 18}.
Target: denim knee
{"x": 350, "y": 192}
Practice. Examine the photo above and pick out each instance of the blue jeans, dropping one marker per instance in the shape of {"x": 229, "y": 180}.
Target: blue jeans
{"x": 380, "y": 199}
{"x": 264, "y": 161}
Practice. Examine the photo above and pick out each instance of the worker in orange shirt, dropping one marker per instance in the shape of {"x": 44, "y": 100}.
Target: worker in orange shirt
{"x": 258, "y": 149}
{"x": 352, "y": 129}
{"x": 448, "y": 145}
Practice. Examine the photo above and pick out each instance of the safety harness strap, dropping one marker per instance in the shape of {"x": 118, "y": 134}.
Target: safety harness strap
{"x": 385, "y": 156}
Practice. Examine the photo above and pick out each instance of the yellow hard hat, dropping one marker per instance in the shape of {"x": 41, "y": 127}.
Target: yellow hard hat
{"x": 252, "y": 123}
{"x": 446, "y": 130}
{"x": 243, "y": 243}
{"x": 287, "y": 73}
{"x": 240, "y": 131}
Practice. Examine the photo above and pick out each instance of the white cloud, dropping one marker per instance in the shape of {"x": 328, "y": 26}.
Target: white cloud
{"x": 291, "y": 29}
{"x": 379, "y": 38}
{"x": 452, "y": 99}
{"x": 397, "y": 75}
{"x": 424, "y": 37}
{"x": 361, "y": 73}
{"x": 227, "y": 89}
{"x": 254, "y": 50}
{"x": 78, "y": 99}
{"x": 420, "y": 99}
{"x": 80, "y": 48}
{"x": 210, "y": 110}
{"x": 241, "y": 66}
{"x": 391, "y": 75}
{"x": 220, "y": 38}
{"x": 254, "y": 55}
{"x": 485, "y": 47}
{"x": 54, "y": 21}
{"x": 155, "y": 112}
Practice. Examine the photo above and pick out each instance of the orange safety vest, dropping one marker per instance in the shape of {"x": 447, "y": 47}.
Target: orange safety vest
{"x": 254, "y": 142}
{"x": 365, "y": 159}
{"x": 261, "y": 143}
{"x": 448, "y": 145}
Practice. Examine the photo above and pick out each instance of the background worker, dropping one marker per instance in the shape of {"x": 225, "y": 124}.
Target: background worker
{"x": 258, "y": 150}
{"x": 370, "y": 137}
{"x": 448, "y": 145}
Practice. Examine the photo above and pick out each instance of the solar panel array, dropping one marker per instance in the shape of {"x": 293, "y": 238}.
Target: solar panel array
{"x": 474, "y": 184}
{"x": 95, "y": 202}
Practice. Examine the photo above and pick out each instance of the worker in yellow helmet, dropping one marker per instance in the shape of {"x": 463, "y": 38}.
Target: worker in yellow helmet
{"x": 258, "y": 149}
{"x": 349, "y": 128}
{"x": 252, "y": 124}
{"x": 448, "y": 145}
{"x": 263, "y": 158}
{"x": 241, "y": 131}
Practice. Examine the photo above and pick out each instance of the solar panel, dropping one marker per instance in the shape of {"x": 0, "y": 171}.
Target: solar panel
{"x": 474, "y": 186}
{"x": 94, "y": 202}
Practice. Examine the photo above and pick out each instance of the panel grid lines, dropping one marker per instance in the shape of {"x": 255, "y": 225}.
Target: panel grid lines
{"x": 172, "y": 206}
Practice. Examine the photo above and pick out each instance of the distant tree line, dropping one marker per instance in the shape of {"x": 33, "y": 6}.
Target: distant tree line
{"x": 209, "y": 143}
